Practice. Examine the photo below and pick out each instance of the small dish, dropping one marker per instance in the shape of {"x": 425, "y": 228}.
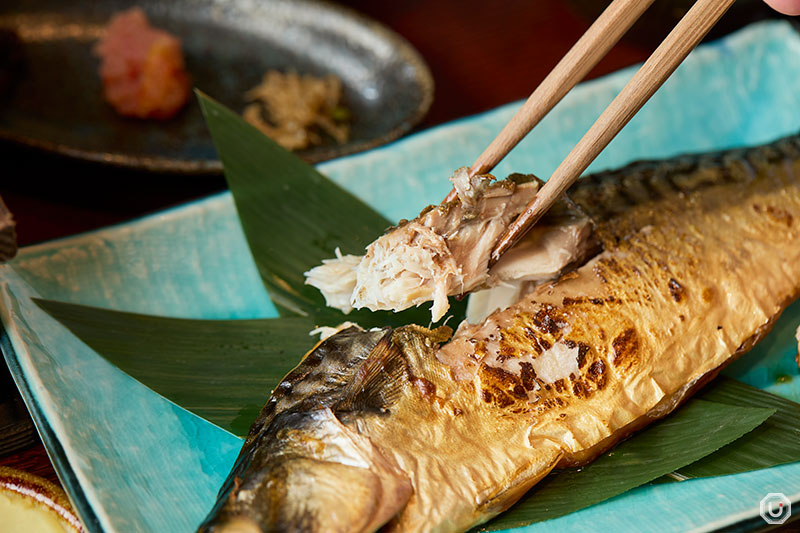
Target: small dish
{"x": 30, "y": 503}
{"x": 54, "y": 99}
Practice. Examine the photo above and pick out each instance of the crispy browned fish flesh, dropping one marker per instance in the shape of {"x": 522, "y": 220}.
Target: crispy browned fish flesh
{"x": 385, "y": 428}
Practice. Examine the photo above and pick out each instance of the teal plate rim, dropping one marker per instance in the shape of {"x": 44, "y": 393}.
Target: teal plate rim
{"x": 51, "y": 443}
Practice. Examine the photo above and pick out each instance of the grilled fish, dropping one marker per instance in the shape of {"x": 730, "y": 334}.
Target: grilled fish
{"x": 407, "y": 431}
{"x": 445, "y": 250}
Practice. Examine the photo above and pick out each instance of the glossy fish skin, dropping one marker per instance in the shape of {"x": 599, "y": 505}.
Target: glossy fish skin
{"x": 701, "y": 254}
{"x": 300, "y": 453}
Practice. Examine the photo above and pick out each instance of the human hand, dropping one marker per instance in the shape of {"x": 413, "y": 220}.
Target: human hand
{"x": 787, "y": 7}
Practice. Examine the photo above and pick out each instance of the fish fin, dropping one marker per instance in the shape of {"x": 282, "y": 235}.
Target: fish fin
{"x": 378, "y": 381}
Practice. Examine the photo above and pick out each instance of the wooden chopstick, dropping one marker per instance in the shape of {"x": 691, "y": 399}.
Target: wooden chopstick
{"x": 601, "y": 36}
{"x": 659, "y": 66}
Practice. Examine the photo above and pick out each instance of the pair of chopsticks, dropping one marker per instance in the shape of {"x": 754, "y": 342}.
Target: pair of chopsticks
{"x": 585, "y": 54}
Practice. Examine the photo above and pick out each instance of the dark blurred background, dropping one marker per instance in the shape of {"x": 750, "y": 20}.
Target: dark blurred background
{"x": 482, "y": 54}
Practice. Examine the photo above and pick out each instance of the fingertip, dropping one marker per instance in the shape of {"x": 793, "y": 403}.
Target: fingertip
{"x": 787, "y": 7}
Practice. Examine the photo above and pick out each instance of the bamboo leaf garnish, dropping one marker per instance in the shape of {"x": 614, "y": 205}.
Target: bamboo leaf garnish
{"x": 294, "y": 217}
{"x": 775, "y": 442}
{"x": 221, "y": 370}
{"x": 697, "y": 429}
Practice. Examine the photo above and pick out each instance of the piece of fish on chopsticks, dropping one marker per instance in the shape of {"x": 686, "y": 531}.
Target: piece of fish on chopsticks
{"x": 388, "y": 429}
{"x": 445, "y": 250}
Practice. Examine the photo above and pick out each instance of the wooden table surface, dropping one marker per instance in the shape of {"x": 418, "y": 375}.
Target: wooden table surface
{"x": 482, "y": 54}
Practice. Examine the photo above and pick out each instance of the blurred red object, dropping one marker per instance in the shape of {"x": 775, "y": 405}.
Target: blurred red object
{"x": 143, "y": 70}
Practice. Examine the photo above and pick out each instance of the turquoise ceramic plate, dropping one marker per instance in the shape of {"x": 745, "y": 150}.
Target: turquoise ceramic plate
{"x": 133, "y": 461}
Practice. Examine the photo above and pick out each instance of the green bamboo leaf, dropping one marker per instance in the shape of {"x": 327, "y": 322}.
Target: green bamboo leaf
{"x": 294, "y": 217}
{"x": 775, "y": 442}
{"x": 221, "y": 370}
{"x": 694, "y": 431}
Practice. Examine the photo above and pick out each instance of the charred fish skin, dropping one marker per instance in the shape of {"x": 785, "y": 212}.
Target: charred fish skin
{"x": 699, "y": 257}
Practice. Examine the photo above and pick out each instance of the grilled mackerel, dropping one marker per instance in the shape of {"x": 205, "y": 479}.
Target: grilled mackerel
{"x": 404, "y": 430}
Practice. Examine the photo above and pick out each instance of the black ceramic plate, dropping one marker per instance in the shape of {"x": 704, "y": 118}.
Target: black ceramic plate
{"x": 50, "y": 93}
